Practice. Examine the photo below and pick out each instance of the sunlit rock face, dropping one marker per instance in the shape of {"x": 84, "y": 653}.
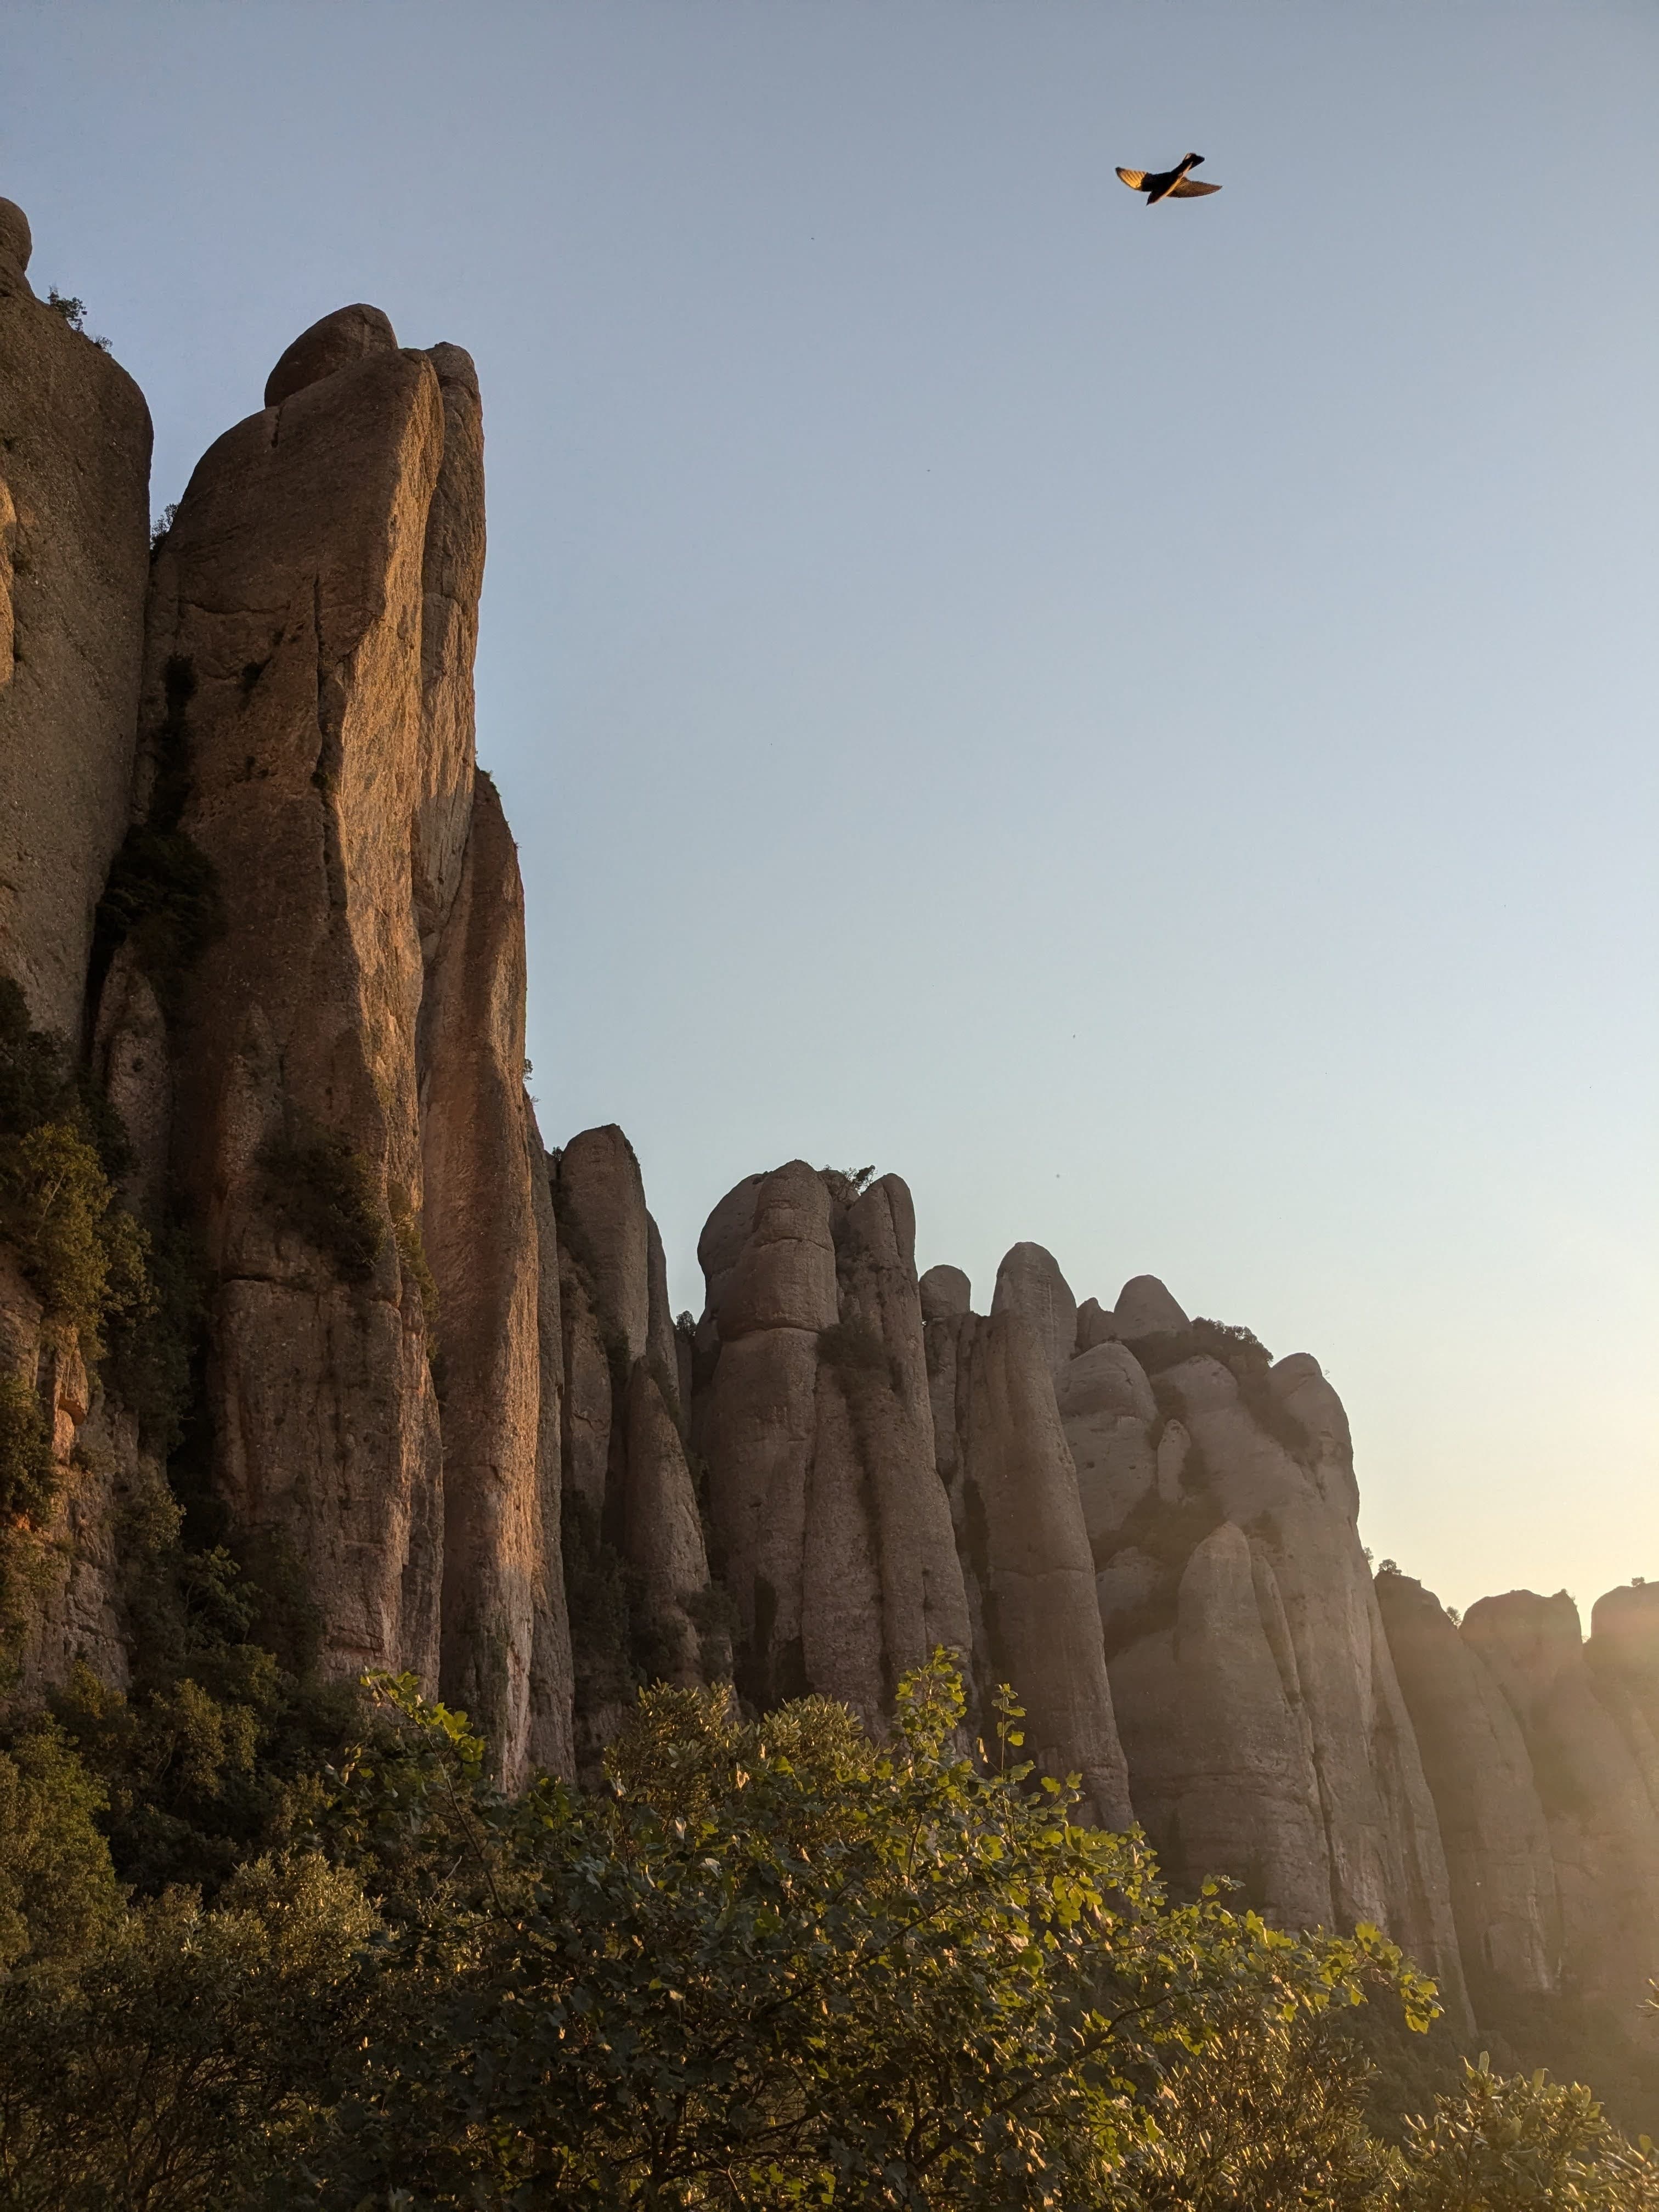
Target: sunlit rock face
{"x": 346, "y": 1062}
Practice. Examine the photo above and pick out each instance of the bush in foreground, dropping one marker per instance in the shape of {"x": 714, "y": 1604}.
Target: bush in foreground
{"x": 773, "y": 1964}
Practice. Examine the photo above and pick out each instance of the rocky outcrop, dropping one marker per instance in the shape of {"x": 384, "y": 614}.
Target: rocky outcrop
{"x": 1492, "y": 1825}
{"x": 1264, "y": 1730}
{"x": 1603, "y": 1827}
{"x": 642, "y": 1604}
{"x": 1019, "y": 1518}
{"x": 1623, "y": 1652}
{"x": 831, "y": 1532}
{"x": 1030, "y": 1283}
{"x": 342, "y": 1095}
{"x": 268, "y": 897}
{"x": 282, "y": 688}
{"x": 1218, "y": 1737}
{"x": 551, "y": 1746}
{"x": 75, "y": 439}
{"x": 478, "y": 1224}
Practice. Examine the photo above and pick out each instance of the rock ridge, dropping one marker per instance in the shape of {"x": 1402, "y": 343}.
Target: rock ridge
{"x": 255, "y": 882}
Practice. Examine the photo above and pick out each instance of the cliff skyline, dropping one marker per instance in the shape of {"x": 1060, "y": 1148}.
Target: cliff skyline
{"x": 295, "y": 1301}
{"x": 1265, "y": 922}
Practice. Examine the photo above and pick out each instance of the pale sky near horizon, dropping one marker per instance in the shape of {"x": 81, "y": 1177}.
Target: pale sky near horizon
{"x": 1141, "y": 721}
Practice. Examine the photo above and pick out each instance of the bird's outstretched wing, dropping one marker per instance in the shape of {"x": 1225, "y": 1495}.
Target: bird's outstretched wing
{"x": 1135, "y": 178}
{"x": 1188, "y": 189}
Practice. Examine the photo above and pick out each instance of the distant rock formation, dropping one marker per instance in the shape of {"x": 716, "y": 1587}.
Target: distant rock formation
{"x": 1589, "y": 1746}
{"x": 250, "y": 873}
{"x": 641, "y": 1591}
{"x": 831, "y": 1530}
{"x": 1492, "y": 1823}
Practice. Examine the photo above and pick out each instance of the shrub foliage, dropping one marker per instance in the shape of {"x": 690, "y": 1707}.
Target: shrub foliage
{"x": 771, "y": 1963}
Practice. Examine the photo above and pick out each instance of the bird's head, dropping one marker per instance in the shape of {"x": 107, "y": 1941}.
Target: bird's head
{"x": 1191, "y": 160}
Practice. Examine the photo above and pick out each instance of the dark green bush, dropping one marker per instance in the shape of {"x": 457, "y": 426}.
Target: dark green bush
{"x": 162, "y": 893}
{"x": 215, "y": 1748}
{"x": 58, "y": 1887}
{"x": 601, "y": 1617}
{"x": 411, "y": 1258}
{"x": 326, "y": 1192}
{"x": 29, "y": 1473}
{"x": 152, "y": 1332}
{"x": 61, "y": 1147}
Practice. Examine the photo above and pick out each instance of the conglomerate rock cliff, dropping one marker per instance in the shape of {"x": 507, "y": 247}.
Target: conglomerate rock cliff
{"x": 75, "y": 441}
{"x": 831, "y": 1531}
{"x": 252, "y": 878}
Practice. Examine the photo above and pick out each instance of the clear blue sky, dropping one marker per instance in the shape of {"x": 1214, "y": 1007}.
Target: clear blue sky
{"x": 1142, "y": 721}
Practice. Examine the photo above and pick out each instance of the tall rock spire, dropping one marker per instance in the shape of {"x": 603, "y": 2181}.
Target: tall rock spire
{"x": 350, "y": 1130}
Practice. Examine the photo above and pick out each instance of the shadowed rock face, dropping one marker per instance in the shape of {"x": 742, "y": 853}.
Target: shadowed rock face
{"x": 832, "y": 1532}
{"x": 551, "y": 1746}
{"x": 630, "y": 1501}
{"x": 1491, "y": 1823}
{"x": 1604, "y": 1834}
{"x": 1385, "y": 1857}
{"x": 75, "y": 441}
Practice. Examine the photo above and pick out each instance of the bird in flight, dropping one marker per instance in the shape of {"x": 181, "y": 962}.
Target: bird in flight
{"x": 1168, "y": 183}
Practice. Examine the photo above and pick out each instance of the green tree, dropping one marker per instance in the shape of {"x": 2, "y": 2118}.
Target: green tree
{"x": 58, "y": 1889}
{"x": 1512, "y": 2143}
{"x": 168, "y": 2069}
{"x": 776, "y": 1964}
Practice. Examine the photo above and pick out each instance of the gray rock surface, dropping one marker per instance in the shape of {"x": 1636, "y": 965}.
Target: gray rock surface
{"x": 1096, "y": 1324}
{"x": 1026, "y": 1554}
{"x": 626, "y": 1472}
{"x": 1107, "y": 1409}
{"x": 1491, "y": 1823}
{"x": 1146, "y": 1309}
{"x": 1218, "y": 1739}
{"x": 832, "y": 1533}
{"x": 1029, "y": 1283}
{"x": 1604, "y": 1837}
{"x": 662, "y": 1536}
{"x": 1386, "y": 1864}
{"x": 944, "y": 1291}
